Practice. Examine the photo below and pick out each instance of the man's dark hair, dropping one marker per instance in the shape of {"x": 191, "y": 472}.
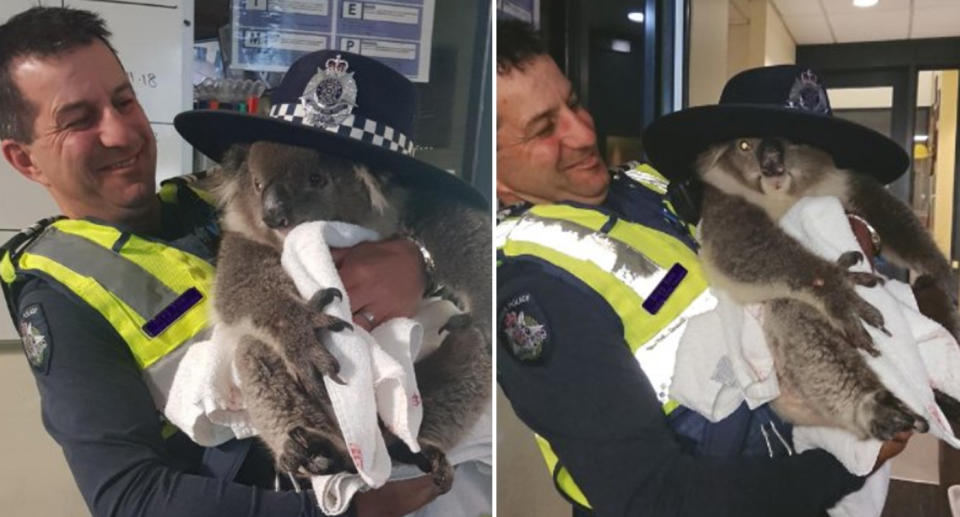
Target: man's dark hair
{"x": 39, "y": 32}
{"x": 517, "y": 43}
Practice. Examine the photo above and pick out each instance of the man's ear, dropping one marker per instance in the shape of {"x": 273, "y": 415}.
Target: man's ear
{"x": 18, "y": 155}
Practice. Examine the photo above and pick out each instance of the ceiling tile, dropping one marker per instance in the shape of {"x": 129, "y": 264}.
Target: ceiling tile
{"x": 808, "y": 30}
{"x": 936, "y": 22}
{"x": 798, "y": 7}
{"x": 878, "y": 25}
{"x": 934, "y": 3}
{"x": 846, "y": 6}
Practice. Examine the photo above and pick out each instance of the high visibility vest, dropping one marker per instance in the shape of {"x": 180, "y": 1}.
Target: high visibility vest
{"x": 154, "y": 295}
{"x": 653, "y": 281}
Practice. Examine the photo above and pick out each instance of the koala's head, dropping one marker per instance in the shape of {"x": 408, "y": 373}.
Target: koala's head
{"x": 764, "y": 165}
{"x": 271, "y": 187}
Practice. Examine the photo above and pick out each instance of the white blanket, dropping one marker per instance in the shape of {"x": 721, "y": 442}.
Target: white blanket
{"x": 714, "y": 376}
{"x": 206, "y": 401}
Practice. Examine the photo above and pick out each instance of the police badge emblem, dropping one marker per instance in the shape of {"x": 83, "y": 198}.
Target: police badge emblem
{"x": 523, "y": 329}
{"x": 330, "y": 96}
{"x": 807, "y": 94}
{"x": 34, "y": 335}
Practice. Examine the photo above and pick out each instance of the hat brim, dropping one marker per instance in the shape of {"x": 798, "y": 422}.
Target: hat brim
{"x": 213, "y": 132}
{"x": 674, "y": 141}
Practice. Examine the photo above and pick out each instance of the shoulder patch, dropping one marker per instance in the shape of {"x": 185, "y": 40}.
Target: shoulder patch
{"x": 523, "y": 329}
{"x": 35, "y": 337}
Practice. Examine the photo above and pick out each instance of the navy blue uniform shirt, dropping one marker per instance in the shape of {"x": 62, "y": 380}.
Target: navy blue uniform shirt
{"x": 96, "y": 406}
{"x": 586, "y": 394}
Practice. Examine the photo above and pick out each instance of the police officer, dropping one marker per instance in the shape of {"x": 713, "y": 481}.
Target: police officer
{"x": 107, "y": 298}
{"x": 595, "y": 274}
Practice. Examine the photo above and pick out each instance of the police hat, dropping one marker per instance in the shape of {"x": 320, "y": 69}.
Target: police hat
{"x": 778, "y": 101}
{"x": 338, "y": 103}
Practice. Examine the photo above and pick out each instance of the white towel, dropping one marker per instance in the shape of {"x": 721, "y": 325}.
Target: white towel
{"x": 714, "y": 380}
{"x": 206, "y": 401}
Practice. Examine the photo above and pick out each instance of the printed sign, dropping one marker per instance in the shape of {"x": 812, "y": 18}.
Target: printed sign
{"x": 269, "y": 35}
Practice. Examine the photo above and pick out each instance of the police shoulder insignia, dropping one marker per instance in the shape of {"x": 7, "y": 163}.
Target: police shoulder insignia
{"x": 35, "y": 336}
{"x": 523, "y": 329}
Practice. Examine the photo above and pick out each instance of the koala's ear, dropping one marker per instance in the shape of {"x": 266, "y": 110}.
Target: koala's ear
{"x": 234, "y": 158}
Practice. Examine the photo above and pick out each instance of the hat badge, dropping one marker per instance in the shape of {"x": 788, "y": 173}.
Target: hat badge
{"x": 807, "y": 94}
{"x": 331, "y": 94}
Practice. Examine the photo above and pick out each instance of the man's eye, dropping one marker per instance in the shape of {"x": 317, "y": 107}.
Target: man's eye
{"x": 125, "y": 103}
{"x": 546, "y": 130}
{"x": 79, "y": 123}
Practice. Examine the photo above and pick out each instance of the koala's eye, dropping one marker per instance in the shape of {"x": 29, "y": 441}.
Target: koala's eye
{"x": 257, "y": 185}
{"x": 743, "y": 145}
{"x": 317, "y": 180}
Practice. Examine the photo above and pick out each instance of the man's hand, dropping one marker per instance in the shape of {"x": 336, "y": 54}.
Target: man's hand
{"x": 396, "y": 498}
{"x": 384, "y": 279}
{"x": 891, "y": 448}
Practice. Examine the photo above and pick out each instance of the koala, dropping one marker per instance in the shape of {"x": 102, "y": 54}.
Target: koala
{"x": 268, "y": 188}
{"x": 813, "y": 318}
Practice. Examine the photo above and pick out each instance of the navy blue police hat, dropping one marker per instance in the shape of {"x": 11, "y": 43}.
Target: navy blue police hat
{"x": 338, "y": 103}
{"x": 785, "y": 101}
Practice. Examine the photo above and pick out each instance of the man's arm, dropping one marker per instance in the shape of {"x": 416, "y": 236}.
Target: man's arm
{"x": 96, "y": 406}
{"x": 587, "y": 395}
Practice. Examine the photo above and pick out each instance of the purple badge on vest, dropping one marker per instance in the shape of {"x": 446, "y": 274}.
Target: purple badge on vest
{"x": 172, "y": 312}
{"x": 664, "y": 289}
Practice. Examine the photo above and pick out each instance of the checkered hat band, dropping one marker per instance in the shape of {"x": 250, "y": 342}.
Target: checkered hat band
{"x": 358, "y": 128}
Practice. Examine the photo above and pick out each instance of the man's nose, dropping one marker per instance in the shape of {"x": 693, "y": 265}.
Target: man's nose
{"x": 116, "y": 131}
{"x": 577, "y": 127}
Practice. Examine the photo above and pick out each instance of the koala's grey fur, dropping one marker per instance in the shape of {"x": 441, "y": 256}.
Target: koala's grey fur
{"x": 267, "y": 189}
{"x": 812, "y": 315}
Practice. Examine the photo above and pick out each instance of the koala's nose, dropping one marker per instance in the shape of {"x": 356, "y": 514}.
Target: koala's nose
{"x": 770, "y": 156}
{"x": 275, "y": 213}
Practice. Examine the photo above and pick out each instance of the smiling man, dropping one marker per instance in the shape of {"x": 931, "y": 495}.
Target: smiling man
{"x": 108, "y": 299}
{"x": 595, "y": 276}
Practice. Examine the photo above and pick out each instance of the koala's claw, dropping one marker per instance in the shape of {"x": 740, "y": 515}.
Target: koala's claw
{"x": 434, "y": 462}
{"x": 849, "y": 259}
{"x": 304, "y": 452}
{"x": 852, "y": 258}
{"x": 324, "y": 297}
{"x": 456, "y": 322}
{"x": 891, "y": 416}
{"x": 865, "y": 279}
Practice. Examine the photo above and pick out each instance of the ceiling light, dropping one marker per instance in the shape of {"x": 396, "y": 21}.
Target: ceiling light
{"x": 921, "y": 138}
{"x": 620, "y": 45}
{"x": 637, "y": 16}
{"x": 865, "y": 3}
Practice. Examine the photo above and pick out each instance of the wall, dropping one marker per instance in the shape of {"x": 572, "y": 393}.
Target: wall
{"x": 756, "y": 37}
{"x": 708, "y": 50}
{"x": 779, "y": 47}
{"x": 945, "y": 161}
{"x": 738, "y": 48}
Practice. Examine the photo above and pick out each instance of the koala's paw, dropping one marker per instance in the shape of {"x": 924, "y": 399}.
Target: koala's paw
{"x": 889, "y": 416}
{"x": 306, "y": 453}
{"x": 433, "y": 461}
{"x": 317, "y": 355}
{"x": 851, "y": 311}
{"x": 852, "y": 258}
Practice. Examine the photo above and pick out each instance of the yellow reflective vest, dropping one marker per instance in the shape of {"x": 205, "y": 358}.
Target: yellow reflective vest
{"x": 154, "y": 295}
{"x": 653, "y": 281}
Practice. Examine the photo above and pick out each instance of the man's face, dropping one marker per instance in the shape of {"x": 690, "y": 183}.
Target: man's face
{"x": 93, "y": 147}
{"x": 546, "y": 143}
